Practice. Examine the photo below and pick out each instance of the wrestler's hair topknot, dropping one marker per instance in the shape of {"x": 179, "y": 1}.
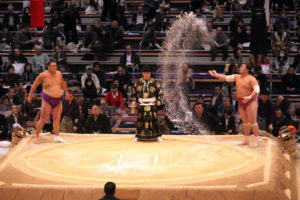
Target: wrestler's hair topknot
{"x": 51, "y": 61}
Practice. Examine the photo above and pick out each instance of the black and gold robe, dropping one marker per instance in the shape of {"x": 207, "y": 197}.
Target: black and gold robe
{"x": 147, "y": 115}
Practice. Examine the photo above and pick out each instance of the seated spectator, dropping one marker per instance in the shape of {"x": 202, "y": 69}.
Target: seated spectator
{"x": 123, "y": 80}
{"x": 20, "y": 92}
{"x": 211, "y": 31}
{"x": 264, "y": 59}
{"x": 234, "y": 102}
{"x": 216, "y": 100}
{"x": 11, "y": 77}
{"x": 223, "y": 106}
{"x": 90, "y": 38}
{"x": 3, "y": 128}
{"x": 97, "y": 123}
{"x": 88, "y": 74}
{"x": 83, "y": 113}
{"x": 200, "y": 99}
{"x": 117, "y": 35}
{"x": 16, "y": 57}
{"x": 30, "y": 110}
{"x": 280, "y": 122}
{"x": 296, "y": 64}
{"x": 11, "y": 19}
{"x": 121, "y": 19}
{"x": 48, "y": 37}
{"x": 89, "y": 91}
{"x": 130, "y": 60}
{"x": 59, "y": 36}
{"x": 261, "y": 78}
{"x": 208, "y": 119}
{"x": 70, "y": 115}
{"x": 26, "y": 16}
{"x": 199, "y": 14}
{"x": 15, "y": 117}
{"x": 282, "y": 18}
{"x": 5, "y": 38}
{"x": 105, "y": 39}
{"x": 56, "y": 19}
{"x": 233, "y": 24}
{"x": 149, "y": 39}
{"x": 280, "y": 40}
{"x": 61, "y": 59}
{"x": 5, "y": 104}
{"x": 23, "y": 38}
{"x": 265, "y": 114}
{"x": 220, "y": 43}
{"x": 71, "y": 19}
{"x": 74, "y": 83}
{"x": 28, "y": 76}
{"x": 220, "y": 6}
{"x": 227, "y": 121}
{"x": 115, "y": 101}
{"x": 187, "y": 78}
{"x": 290, "y": 82}
{"x": 160, "y": 22}
{"x": 12, "y": 99}
{"x": 233, "y": 62}
{"x": 282, "y": 62}
{"x": 226, "y": 89}
{"x": 40, "y": 60}
{"x": 109, "y": 189}
{"x": 100, "y": 74}
{"x": 139, "y": 20}
{"x": 238, "y": 38}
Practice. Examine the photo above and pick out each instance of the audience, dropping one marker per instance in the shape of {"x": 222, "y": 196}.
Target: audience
{"x": 280, "y": 122}
{"x": 265, "y": 116}
{"x": 97, "y": 123}
{"x": 93, "y": 77}
{"x": 30, "y": 110}
{"x": 71, "y": 19}
{"x": 149, "y": 40}
{"x": 11, "y": 19}
{"x": 100, "y": 74}
{"x": 216, "y": 100}
{"x": 290, "y": 82}
{"x": 281, "y": 61}
{"x": 220, "y": 43}
{"x": 11, "y": 77}
{"x": 23, "y": 38}
{"x": 109, "y": 189}
{"x": 227, "y": 121}
{"x": 16, "y": 57}
{"x": 3, "y": 128}
{"x": 15, "y": 118}
{"x": 70, "y": 115}
{"x": 40, "y": 60}
{"x": 220, "y": 6}
{"x": 115, "y": 101}
{"x": 130, "y": 60}
{"x": 89, "y": 91}
{"x": 139, "y": 20}
{"x": 61, "y": 59}
{"x": 123, "y": 80}
{"x": 117, "y": 35}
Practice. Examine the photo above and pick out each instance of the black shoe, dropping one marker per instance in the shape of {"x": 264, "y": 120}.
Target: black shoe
{"x": 212, "y": 59}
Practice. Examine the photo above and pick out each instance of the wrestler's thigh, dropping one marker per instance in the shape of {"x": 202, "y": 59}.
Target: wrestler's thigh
{"x": 243, "y": 115}
{"x": 45, "y": 110}
{"x": 56, "y": 112}
{"x": 251, "y": 111}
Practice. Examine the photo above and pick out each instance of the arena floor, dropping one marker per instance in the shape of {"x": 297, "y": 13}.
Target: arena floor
{"x": 179, "y": 167}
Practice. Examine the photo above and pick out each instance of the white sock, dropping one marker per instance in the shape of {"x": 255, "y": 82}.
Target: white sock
{"x": 59, "y": 139}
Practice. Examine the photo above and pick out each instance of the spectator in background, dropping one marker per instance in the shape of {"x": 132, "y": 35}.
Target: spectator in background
{"x": 108, "y": 6}
{"x": 3, "y": 128}
{"x": 265, "y": 114}
{"x": 211, "y": 122}
{"x": 117, "y": 35}
{"x": 28, "y": 76}
{"x": 160, "y": 22}
{"x": 139, "y": 20}
{"x": 234, "y": 61}
{"x": 55, "y": 20}
{"x": 220, "y": 6}
{"x": 227, "y": 126}
{"x": 97, "y": 123}
{"x": 109, "y": 189}
{"x": 149, "y": 40}
{"x": 30, "y": 110}
{"x": 233, "y": 24}
{"x": 11, "y": 20}
{"x": 71, "y": 19}
{"x": 123, "y": 80}
{"x": 23, "y": 38}
{"x": 74, "y": 83}
{"x": 285, "y": 109}
{"x": 261, "y": 78}
{"x": 20, "y": 92}
{"x": 5, "y": 38}
{"x": 39, "y": 60}
{"x": 220, "y": 43}
{"x": 90, "y": 38}
{"x": 115, "y": 101}
{"x": 199, "y": 14}
{"x": 11, "y": 77}
{"x": 280, "y": 40}
{"x": 234, "y": 102}
{"x": 290, "y": 82}
{"x": 88, "y": 74}
{"x": 130, "y": 60}
{"x": 26, "y": 16}
{"x": 187, "y": 78}
{"x": 60, "y": 37}
{"x": 70, "y": 115}
{"x": 48, "y": 37}
{"x": 105, "y": 39}
{"x": 16, "y": 57}
{"x": 15, "y": 117}
{"x": 5, "y": 105}
{"x": 61, "y": 59}
{"x": 211, "y": 30}
{"x": 238, "y": 38}
{"x": 280, "y": 121}
{"x": 83, "y": 113}
{"x": 89, "y": 91}
{"x": 12, "y": 99}
{"x": 100, "y": 74}
{"x": 282, "y": 61}
{"x": 201, "y": 100}
{"x": 282, "y": 18}
{"x": 216, "y": 100}
{"x": 223, "y": 106}
{"x": 296, "y": 64}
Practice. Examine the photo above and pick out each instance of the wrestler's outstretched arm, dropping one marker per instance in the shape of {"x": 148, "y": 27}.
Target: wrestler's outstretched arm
{"x": 222, "y": 77}
{"x": 36, "y": 83}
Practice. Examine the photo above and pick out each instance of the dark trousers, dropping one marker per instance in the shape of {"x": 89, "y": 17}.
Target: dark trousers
{"x": 74, "y": 35}
{"x": 108, "y": 7}
{"x": 214, "y": 49}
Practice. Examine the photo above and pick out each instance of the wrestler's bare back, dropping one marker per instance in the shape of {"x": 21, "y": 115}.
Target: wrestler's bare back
{"x": 244, "y": 85}
{"x": 52, "y": 83}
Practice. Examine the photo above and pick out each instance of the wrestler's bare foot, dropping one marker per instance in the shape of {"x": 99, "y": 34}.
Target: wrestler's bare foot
{"x": 36, "y": 140}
